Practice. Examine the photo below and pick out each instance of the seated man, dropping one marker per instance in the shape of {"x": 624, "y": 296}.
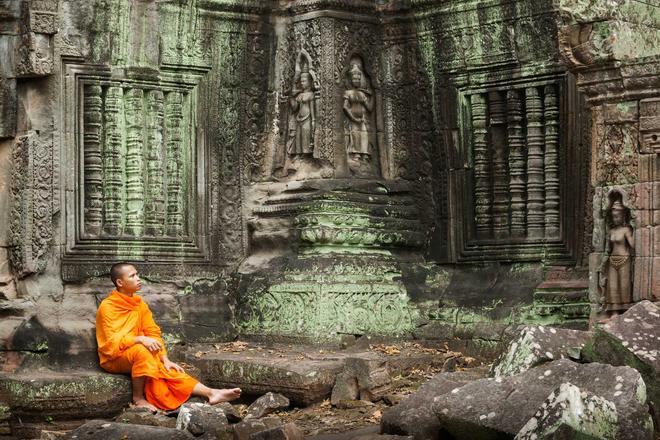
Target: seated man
{"x": 129, "y": 342}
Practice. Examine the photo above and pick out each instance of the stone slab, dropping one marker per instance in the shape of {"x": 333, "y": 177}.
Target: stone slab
{"x": 303, "y": 374}
{"x": 32, "y": 396}
{"x": 102, "y": 430}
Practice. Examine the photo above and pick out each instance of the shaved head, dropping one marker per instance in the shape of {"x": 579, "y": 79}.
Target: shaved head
{"x": 117, "y": 271}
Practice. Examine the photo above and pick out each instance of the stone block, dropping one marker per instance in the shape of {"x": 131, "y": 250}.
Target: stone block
{"x": 301, "y": 381}
{"x": 245, "y": 429}
{"x": 649, "y": 167}
{"x": 34, "y": 55}
{"x": 345, "y": 389}
{"x": 372, "y": 374}
{"x": 206, "y": 312}
{"x": 8, "y": 107}
{"x": 33, "y": 396}
{"x": 414, "y": 416}
{"x": 538, "y": 345}
{"x": 646, "y": 282}
{"x": 620, "y": 112}
{"x": 644, "y": 241}
{"x": 143, "y": 416}
{"x": 202, "y": 419}
{"x": 284, "y": 432}
{"x": 632, "y": 339}
{"x": 499, "y": 408}
{"x": 570, "y": 412}
{"x": 102, "y": 430}
{"x": 266, "y": 404}
{"x": 166, "y": 311}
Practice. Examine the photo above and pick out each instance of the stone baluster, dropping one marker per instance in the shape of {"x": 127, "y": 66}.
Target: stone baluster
{"x": 482, "y": 190}
{"x": 93, "y": 159}
{"x": 535, "y": 178}
{"x": 155, "y": 202}
{"x": 499, "y": 148}
{"x": 551, "y": 117}
{"x": 173, "y": 129}
{"x": 516, "y": 142}
{"x": 113, "y": 162}
{"x": 134, "y": 112}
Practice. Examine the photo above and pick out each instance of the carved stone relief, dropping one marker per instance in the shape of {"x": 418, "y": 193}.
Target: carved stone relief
{"x": 31, "y": 223}
{"x": 358, "y": 107}
{"x": 516, "y": 149}
{"x": 616, "y": 271}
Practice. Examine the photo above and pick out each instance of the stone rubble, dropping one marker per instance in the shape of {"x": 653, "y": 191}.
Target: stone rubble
{"x": 143, "y": 416}
{"x": 266, "y": 404}
{"x": 245, "y": 429}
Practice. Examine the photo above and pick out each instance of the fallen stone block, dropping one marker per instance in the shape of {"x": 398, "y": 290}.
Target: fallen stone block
{"x": 143, "y": 416}
{"x": 414, "y": 416}
{"x": 632, "y": 339}
{"x": 536, "y": 345}
{"x": 283, "y": 432}
{"x": 201, "y": 418}
{"x": 102, "y": 430}
{"x": 372, "y": 375}
{"x": 244, "y": 429}
{"x": 59, "y": 395}
{"x": 345, "y": 389}
{"x": 232, "y": 413}
{"x": 492, "y": 408}
{"x": 572, "y": 413}
{"x": 266, "y": 404}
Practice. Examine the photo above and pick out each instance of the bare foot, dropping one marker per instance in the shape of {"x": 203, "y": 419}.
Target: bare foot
{"x": 142, "y": 403}
{"x": 226, "y": 395}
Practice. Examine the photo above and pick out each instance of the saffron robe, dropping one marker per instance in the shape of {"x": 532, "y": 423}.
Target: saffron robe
{"x": 119, "y": 319}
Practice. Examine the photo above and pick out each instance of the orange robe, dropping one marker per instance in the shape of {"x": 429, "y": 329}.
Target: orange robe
{"x": 119, "y": 320}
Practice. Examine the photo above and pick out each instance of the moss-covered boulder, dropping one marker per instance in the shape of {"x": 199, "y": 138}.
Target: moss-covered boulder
{"x": 536, "y": 345}
{"x": 570, "y": 412}
{"x": 632, "y": 339}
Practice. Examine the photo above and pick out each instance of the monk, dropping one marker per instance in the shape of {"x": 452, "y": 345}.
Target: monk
{"x": 130, "y": 342}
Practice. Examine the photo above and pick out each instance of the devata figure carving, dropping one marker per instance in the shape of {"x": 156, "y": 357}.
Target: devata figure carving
{"x": 616, "y": 271}
{"x": 358, "y": 105}
{"x": 302, "y": 123}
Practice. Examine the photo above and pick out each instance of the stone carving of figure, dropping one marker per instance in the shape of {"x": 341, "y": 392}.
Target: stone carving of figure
{"x": 358, "y": 105}
{"x": 303, "y": 126}
{"x": 617, "y": 282}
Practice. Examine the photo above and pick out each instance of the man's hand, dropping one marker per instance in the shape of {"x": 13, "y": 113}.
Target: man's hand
{"x": 152, "y": 344}
{"x": 169, "y": 364}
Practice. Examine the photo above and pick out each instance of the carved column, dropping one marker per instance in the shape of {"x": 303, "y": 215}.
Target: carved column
{"x": 93, "y": 161}
{"x": 551, "y": 117}
{"x": 173, "y": 127}
{"x": 482, "y": 195}
{"x": 155, "y": 203}
{"x": 499, "y": 147}
{"x": 516, "y": 141}
{"x": 113, "y": 161}
{"x": 134, "y": 112}
{"x": 535, "y": 178}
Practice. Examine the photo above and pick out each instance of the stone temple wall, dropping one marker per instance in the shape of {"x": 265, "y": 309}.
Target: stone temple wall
{"x": 214, "y": 143}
